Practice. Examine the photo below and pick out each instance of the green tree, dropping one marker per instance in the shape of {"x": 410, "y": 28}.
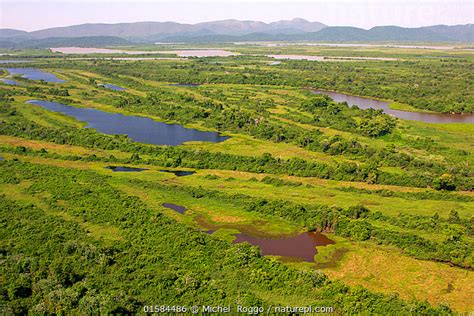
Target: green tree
{"x": 454, "y": 233}
{"x": 454, "y": 217}
{"x": 377, "y": 126}
{"x": 445, "y": 182}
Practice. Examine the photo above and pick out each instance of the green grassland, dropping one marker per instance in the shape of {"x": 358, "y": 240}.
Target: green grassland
{"x": 77, "y": 237}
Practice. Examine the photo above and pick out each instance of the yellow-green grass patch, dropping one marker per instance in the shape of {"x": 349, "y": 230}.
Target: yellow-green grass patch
{"x": 385, "y": 269}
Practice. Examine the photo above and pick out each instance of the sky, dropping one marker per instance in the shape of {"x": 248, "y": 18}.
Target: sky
{"x": 30, "y": 15}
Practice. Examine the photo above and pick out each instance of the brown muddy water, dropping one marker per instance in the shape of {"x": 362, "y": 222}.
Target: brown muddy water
{"x": 365, "y": 103}
{"x": 301, "y": 247}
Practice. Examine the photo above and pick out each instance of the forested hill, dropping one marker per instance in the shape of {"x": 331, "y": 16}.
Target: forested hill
{"x": 239, "y": 31}
{"x": 86, "y": 41}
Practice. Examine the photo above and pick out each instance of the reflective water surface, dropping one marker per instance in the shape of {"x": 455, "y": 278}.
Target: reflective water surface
{"x": 178, "y": 208}
{"x": 140, "y": 129}
{"x": 124, "y": 169}
{"x": 112, "y": 87}
{"x": 179, "y": 173}
{"x": 365, "y": 103}
{"x": 301, "y": 247}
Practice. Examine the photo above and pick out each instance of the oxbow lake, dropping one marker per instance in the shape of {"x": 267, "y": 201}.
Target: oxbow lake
{"x": 140, "y": 129}
{"x": 365, "y": 103}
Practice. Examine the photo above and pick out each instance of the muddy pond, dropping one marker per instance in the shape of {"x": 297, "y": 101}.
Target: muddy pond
{"x": 301, "y": 247}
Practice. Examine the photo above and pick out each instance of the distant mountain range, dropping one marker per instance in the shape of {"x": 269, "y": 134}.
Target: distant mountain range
{"x": 228, "y": 31}
{"x": 83, "y": 41}
{"x": 439, "y": 33}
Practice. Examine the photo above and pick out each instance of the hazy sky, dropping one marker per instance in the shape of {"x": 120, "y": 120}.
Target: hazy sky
{"x": 37, "y": 14}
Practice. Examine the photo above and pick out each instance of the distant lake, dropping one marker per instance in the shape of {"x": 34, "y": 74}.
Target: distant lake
{"x": 365, "y": 103}
{"x": 94, "y": 50}
{"x": 380, "y": 45}
{"x": 137, "y": 58}
{"x": 127, "y": 58}
{"x": 112, "y": 87}
{"x": 33, "y": 74}
{"x": 181, "y": 53}
{"x": 297, "y": 57}
{"x": 178, "y": 208}
{"x": 125, "y": 169}
{"x": 201, "y": 53}
{"x": 140, "y": 129}
{"x": 328, "y": 58}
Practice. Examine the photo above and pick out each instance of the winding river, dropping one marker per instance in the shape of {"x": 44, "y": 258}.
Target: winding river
{"x": 365, "y": 103}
